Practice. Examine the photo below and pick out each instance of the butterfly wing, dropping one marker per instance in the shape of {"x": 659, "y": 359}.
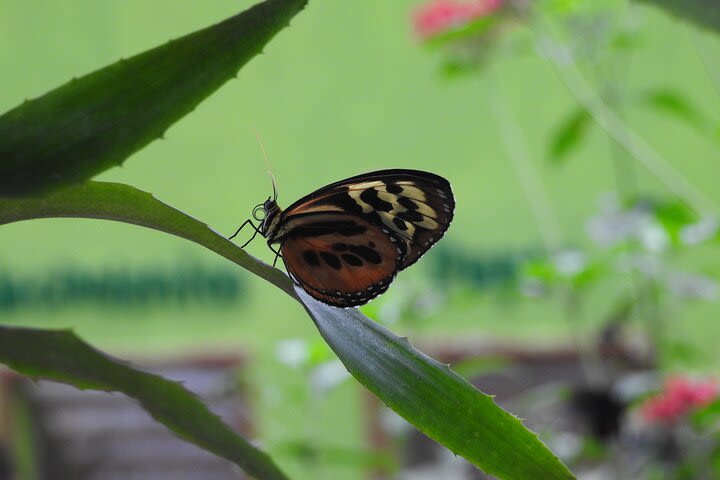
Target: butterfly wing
{"x": 341, "y": 259}
{"x": 414, "y": 206}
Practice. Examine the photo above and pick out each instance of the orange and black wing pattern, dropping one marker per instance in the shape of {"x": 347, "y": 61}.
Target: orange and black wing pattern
{"x": 345, "y": 242}
{"x": 341, "y": 259}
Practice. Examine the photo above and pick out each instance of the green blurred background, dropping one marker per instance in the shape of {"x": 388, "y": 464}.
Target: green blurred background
{"x": 346, "y": 89}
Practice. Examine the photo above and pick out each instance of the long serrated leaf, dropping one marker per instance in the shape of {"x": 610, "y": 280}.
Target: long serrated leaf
{"x": 59, "y": 355}
{"x": 428, "y": 394}
{"x": 95, "y": 122}
{"x": 123, "y": 203}
{"x": 432, "y": 397}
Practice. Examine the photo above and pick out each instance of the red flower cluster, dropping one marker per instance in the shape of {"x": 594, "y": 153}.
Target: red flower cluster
{"x": 438, "y": 16}
{"x": 680, "y": 396}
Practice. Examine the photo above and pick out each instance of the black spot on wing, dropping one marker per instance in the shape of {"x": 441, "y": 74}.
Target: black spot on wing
{"x": 339, "y": 247}
{"x": 407, "y": 203}
{"x": 393, "y": 188}
{"x": 331, "y": 260}
{"x": 352, "y": 260}
{"x": 373, "y": 218}
{"x": 399, "y": 223}
{"x": 370, "y": 196}
{"x": 411, "y": 216}
{"x": 367, "y": 253}
{"x": 311, "y": 258}
{"x": 347, "y": 204}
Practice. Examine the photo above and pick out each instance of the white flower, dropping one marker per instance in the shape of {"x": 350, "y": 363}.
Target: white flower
{"x": 653, "y": 237}
{"x": 612, "y": 227}
{"x": 699, "y": 232}
{"x": 293, "y": 352}
{"x": 693, "y": 286}
{"x": 327, "y": 376}
{"x": 569, "y": 262}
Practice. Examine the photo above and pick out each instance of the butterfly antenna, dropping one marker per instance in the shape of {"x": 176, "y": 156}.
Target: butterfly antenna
{"x": 272, "y": 179}
{"x": 267, "y": 163}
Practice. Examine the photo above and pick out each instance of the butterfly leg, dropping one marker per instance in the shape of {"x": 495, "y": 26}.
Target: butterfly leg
{"x": 248, "y": 221}
{"x": 277, "y": 254}
{"x": 240, "y": 228}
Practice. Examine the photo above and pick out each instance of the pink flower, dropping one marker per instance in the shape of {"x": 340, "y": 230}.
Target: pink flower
{"x": 438, "y": 16}
{"x": 679, "y": 396}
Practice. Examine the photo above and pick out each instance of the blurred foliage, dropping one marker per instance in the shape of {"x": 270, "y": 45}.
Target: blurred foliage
{"x": 638, "y": 244}
{"x": 452, "y": 264}
{"x": 676, "y": 105}
{"x": 704, "y": 13}
{"x": 121, "y": 288}
{"x": 573, "y": 130}
{"x": 569, "y": 135}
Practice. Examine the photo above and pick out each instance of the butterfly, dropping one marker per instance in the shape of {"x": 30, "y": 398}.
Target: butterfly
{"x": 345, "y": 242}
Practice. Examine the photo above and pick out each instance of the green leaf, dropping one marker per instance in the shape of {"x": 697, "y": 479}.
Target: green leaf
{"x": 676, "y": 105}
{"x": 95, "y": 122}
{"x": 675, "y": 351}
{"x": 426, "y": 393}
{"x": 469, "y": 30}
{"x": 625, "y": 40}
{"x": 560, "y": 7}
{"x": 432, "y": 397}
{"x": 455, "y": 67}
{"x": 588, "y": 275}
{"x": 706, "y": 417}
{"x": 59, "y": 355}
{"x": 123, "y": 203}
{"x": 703, "y": 13}
{"x": 569, "y": 135}
{"x": 673, "y": 216}
{"x": 541, "y": 269}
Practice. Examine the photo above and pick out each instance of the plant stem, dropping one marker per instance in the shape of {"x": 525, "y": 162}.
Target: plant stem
{"x": 545, "y": 220}
{"x": 517, "y": 152}
{"x": 622, "y": 134}
{"x": 591, "y": 364}
{"x": 705, "y": 56}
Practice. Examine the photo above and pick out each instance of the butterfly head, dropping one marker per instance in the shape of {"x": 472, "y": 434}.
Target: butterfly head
{"x": 268, "y": 214}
